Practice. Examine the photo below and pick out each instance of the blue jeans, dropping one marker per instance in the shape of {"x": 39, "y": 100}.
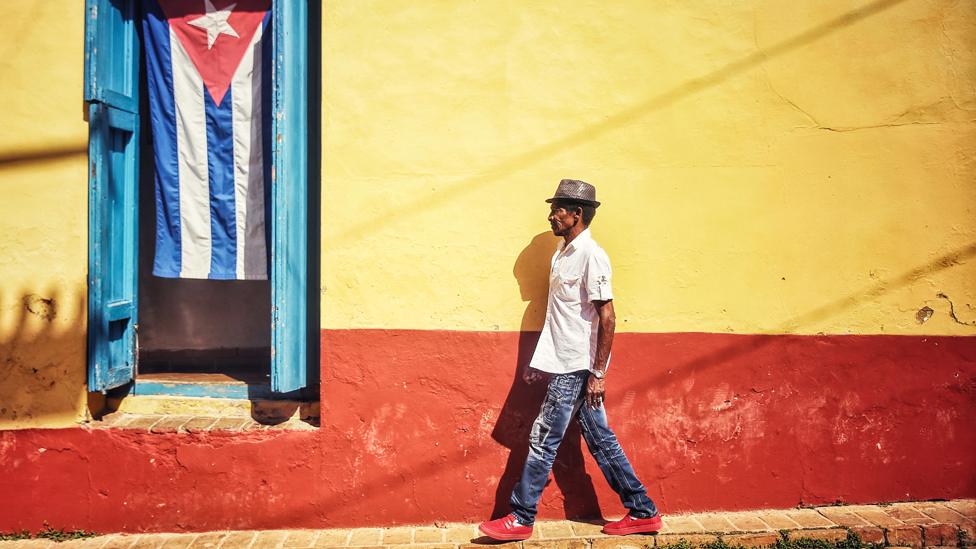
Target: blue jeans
{"x": 564, "y": 399}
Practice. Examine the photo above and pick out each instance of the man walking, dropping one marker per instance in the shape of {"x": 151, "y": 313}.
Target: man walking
{"x": 574, "y": 349}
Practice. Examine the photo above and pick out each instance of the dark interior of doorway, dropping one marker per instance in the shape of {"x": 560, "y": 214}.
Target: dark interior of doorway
{"x": 196, "y": 331}
{"x": 219, "y": 332}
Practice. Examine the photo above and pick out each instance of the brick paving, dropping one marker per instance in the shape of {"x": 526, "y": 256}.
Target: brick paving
{"x": 901, "y": 525}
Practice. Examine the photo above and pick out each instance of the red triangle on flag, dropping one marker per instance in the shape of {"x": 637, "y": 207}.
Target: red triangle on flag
{"x": 206, "y": 28}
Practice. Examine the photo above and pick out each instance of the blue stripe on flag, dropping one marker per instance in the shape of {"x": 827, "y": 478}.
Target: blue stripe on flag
{"x": 162, "y": 115}
{"x": 220, "y": 160}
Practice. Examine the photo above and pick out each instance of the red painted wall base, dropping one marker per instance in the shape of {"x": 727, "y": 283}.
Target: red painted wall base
{"x": 419, "y": 426}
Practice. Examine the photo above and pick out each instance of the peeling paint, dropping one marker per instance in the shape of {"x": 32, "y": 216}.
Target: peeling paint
{"x": 36, "y": 305}
{"x": 923, "y": 314}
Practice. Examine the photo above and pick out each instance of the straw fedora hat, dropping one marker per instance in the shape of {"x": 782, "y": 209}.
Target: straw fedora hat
{"x": 574, "y": 190}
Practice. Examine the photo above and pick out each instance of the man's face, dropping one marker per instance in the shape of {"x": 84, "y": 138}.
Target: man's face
{"x": 562, "y": 219}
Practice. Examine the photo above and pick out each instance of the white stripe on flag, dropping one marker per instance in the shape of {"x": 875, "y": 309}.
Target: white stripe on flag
{"x": 256, "y": 256}
{"x": 248, "y": 165}
{"x": 191, "y": 152}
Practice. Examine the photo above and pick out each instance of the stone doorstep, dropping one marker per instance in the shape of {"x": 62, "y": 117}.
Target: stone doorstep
{"x": 175, "y": 414}
{"x": 214, "y": 407}
{"x": 159, "y": 424}
{"x": 751, "y": 529}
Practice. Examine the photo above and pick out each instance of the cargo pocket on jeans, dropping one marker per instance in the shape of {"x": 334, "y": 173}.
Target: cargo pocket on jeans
{"x": 537, "y": 438}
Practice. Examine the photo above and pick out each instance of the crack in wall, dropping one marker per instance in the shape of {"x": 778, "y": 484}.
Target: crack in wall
{"x": 952, "y": 311}
{"x": 796, "y": 107}
{"x": 914, "y": 111}
{"x": 843, "y": 129}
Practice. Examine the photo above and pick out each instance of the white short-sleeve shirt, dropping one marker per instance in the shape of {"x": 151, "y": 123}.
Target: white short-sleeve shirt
{"x": 580, "y": 274}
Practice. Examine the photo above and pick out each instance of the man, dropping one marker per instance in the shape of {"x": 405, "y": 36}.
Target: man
{"x": 574, "y": 349}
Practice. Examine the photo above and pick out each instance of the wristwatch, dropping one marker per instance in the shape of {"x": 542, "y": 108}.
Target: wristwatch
{"x": 597, "y": 373}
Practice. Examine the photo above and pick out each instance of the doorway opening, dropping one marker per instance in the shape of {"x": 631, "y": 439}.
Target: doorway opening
{"x": 254, "y": 339}
{"x": 193, "y": 330}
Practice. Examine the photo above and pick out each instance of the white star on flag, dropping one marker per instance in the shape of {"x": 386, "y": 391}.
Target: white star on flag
{"x": 215, "y": 22}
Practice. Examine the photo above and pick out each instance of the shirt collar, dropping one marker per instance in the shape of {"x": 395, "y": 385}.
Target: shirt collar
{"x": 580, "y": 239}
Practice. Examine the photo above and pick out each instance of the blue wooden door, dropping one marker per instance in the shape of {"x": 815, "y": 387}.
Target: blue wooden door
{"x": 112, "y": 92}
{"x": 290, "y": 331}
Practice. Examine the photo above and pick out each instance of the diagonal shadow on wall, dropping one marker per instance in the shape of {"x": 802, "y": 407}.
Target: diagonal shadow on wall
{"x": 10, "y": 159}
{"x": 620, "y": 119}
{"x": 720, "y": 357}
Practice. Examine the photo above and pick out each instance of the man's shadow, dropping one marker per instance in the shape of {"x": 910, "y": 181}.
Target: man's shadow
{"x": 524, "y": 401}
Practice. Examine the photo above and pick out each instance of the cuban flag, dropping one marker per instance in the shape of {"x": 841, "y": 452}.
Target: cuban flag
{"x": 208, "y": 65}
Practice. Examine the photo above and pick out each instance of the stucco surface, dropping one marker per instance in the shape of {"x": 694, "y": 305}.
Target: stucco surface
{"x": 434, "y": 426}
{"x": 765, "y": 167}
{"x": 43, "y": 214}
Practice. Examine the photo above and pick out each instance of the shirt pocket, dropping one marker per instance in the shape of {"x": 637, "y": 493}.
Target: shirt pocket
{"x": 568, "y": 288}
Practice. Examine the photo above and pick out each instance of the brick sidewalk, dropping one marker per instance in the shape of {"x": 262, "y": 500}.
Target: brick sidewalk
{"x": 917, "y": 524}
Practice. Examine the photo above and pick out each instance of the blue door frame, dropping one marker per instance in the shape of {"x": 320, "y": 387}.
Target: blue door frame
{"x": 112, "y": 91}
{"x": 289, "y": 183}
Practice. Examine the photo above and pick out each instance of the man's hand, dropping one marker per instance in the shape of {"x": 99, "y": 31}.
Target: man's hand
{"x": 595, "y": 389}
{"x": 531, "y": 375}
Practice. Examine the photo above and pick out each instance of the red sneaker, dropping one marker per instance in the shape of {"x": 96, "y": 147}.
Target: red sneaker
{"x": 633, "y": 525}
{"x": 506, "y": 528}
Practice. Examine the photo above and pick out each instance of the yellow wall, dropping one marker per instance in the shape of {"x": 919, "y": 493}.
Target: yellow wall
{"x": 43, "y": 208}
{"x": 765, "y": 166}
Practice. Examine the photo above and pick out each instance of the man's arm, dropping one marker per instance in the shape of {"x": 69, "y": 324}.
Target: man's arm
{"x": 595, "y": 388}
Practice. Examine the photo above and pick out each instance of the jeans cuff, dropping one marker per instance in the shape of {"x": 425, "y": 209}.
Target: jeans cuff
{"x": 522, "y": 520}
